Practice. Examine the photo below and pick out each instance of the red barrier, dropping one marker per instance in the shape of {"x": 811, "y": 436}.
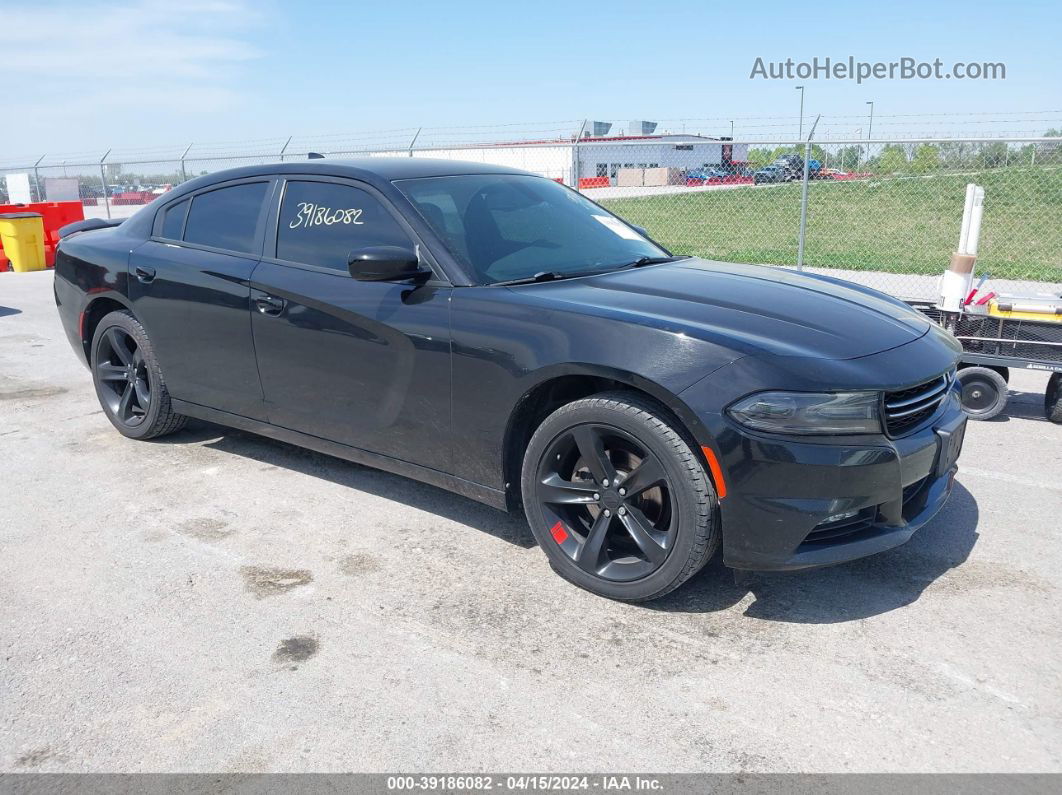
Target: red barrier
{"x": 593, "y": 182}
{"x": 55, "y": 215}
{"x": 133, "y": 197}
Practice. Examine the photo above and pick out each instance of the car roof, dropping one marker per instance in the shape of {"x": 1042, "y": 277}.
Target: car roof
{"x": 369, "y": 169}
{"x": 379, "y": 171}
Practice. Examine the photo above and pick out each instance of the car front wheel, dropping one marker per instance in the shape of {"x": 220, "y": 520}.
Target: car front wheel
{"x": 618, "y": 499}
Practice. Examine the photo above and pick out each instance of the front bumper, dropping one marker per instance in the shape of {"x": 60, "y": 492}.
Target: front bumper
{"x": 781, "y": 492}
{"x": 802, "y": 502}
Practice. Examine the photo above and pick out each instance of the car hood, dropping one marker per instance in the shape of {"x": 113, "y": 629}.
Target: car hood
{"x": 750, "y": 308}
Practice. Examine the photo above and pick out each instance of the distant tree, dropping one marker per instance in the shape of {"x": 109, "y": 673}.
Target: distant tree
{"x": 848, "y": 157}
{"x": 926, "y": 159}
{"x": 758, "y": 158}
{"x": 1049, "y": 152}
{"x": 892, "y": 160}
{"x": 993, "y": 155}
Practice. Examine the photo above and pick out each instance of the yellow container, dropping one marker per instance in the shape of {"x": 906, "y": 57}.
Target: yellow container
{"x": 995, "y": 311}
{"x": 22, "y": 235}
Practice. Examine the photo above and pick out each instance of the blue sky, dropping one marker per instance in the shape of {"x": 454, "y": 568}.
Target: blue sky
{"x": 145, "y": 73}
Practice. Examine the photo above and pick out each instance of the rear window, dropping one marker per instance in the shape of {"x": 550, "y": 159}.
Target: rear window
{"x": 173, "y": 221}
{"x": 226, "y": 218}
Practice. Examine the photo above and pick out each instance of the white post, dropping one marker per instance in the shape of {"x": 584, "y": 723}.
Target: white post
{"x": 957, "y": 278}
{"x": 976, "y": 212}
{"x": 964, "y": 230}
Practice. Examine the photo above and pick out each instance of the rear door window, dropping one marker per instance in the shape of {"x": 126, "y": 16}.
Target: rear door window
{"x": 173, "y": 220}
{"x": 226, "y": 218}
{"x": 322, "y": 222}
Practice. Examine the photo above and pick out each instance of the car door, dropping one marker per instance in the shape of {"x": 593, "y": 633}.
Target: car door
{"x": 365, "y": 364}
{"x": 189, "y": 285}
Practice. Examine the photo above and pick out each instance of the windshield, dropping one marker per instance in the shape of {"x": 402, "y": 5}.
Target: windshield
{"x": 512, "y": 226}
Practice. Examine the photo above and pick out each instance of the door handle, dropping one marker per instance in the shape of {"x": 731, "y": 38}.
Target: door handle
{"x": 269, "y": 305}
{"x": 144, "y": 274}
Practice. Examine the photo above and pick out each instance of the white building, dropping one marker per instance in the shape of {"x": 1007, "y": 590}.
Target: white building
{"x": 598, "y": 158}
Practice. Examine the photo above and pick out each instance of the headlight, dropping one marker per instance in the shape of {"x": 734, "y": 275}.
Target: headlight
{"x": 809, "y": 412}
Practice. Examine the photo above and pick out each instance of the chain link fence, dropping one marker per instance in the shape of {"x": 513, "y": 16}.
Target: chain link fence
{"x": 885, "y": 213}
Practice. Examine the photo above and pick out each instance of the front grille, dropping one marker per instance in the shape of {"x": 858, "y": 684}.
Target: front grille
{"x": 906, "y": 409}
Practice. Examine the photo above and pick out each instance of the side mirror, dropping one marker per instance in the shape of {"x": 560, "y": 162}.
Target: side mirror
{"x": 385, "y": 264}
{"x": 641, "y": 230}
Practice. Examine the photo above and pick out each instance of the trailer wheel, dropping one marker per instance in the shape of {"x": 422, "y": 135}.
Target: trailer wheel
{"x": 1053, "y": 398}
{"x": 984, "y": 392}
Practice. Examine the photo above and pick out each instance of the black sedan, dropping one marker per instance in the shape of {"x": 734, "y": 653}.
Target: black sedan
{"x": 497, "y": 334}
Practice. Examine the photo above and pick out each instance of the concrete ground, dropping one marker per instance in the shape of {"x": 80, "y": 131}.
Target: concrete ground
{"x": 220, "y": 602}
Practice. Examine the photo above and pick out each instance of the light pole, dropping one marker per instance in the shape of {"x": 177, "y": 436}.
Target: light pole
{"x": 800, "y": 134}
{"x": 731, "y": 131}
{"x": 870, "y": 125}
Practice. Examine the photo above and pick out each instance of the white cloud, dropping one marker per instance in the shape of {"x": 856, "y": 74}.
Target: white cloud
{"x": 86, "y": 61}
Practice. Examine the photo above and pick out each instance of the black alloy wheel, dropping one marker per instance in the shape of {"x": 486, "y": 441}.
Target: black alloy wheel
{"x": 617, "y": 498}
{"x": 122, "y": 373}
{"x": 610, "y": 495}
{"x": 128, "y": 379}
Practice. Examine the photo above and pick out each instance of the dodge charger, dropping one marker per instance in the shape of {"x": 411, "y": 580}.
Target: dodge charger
{"x": 497, "y": 334}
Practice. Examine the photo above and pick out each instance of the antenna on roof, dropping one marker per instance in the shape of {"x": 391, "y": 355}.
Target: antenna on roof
{"x": 314, "y": 156}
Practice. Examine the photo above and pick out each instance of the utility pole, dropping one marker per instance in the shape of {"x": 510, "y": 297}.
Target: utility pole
{"x": 870, "y": 125}
{"x": 731, "y": 131}
{"x": 800, "y": 134}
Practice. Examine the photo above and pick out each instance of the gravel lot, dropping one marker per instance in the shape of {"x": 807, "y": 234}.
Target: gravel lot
{"x": 220, "y": 602}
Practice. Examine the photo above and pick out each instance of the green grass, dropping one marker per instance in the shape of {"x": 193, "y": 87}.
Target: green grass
{"x": 902, "y": 225}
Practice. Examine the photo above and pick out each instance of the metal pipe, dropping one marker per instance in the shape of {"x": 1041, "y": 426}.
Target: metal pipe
{"x": 184, "y": 174}
{"x": 804, "y": 198}
{"x": 413, "y": 140}
{"x": 577, "y": 167}
{"x": 37, "y": 177}
{"x": 103, "y": 181}
{"x": 284, "y": 148}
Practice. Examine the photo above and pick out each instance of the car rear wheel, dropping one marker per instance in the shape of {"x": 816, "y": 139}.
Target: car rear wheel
{"x": 617, "y": 498}
{"x": 1053, "y": 398}
{"x": 128, "y": 379}
{"x": 984, "y": 392}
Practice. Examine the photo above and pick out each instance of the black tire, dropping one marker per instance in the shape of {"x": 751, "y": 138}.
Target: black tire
{"x": 649, "y": 540}
{"x": 1004, "y": 372}
{"x": 1053, "y": 398}
{"x": 128, "y": 379}
{"x": 984, "y": 392}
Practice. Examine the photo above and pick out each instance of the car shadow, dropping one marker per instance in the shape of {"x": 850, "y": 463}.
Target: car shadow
{"x": 846, "y": 592}
{"x": 1022, "y": 405}
{"x": 507, "y": 527}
